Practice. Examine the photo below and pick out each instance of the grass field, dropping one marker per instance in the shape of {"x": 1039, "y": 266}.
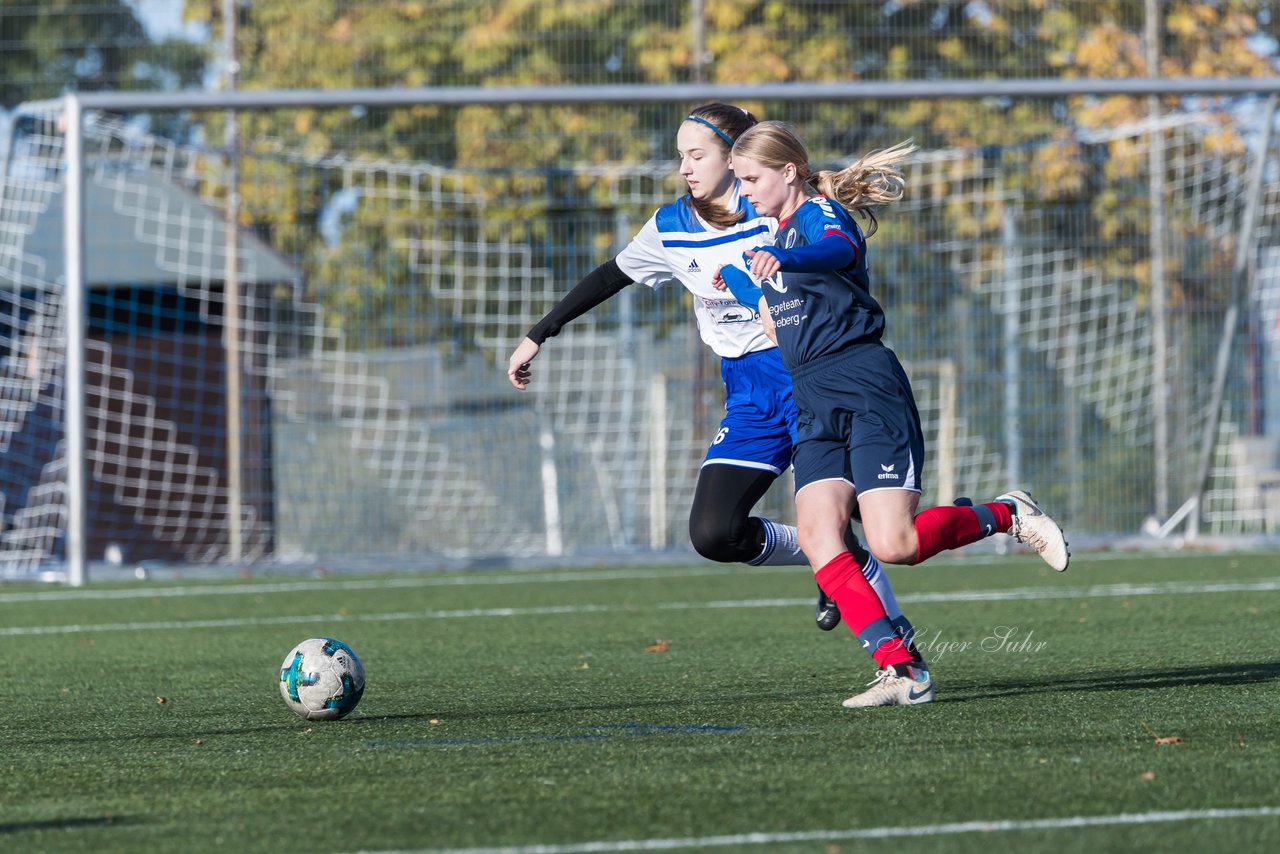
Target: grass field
{"x": 1128, "y": 704}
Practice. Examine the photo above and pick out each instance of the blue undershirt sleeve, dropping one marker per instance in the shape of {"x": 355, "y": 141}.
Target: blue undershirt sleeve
{"x": 740, "y": 285}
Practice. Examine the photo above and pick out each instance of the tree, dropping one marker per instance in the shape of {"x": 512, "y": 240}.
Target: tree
{"x": 340, "y": 44}
{"x": 54, "y": 46}
{"x": 522, "y": 149}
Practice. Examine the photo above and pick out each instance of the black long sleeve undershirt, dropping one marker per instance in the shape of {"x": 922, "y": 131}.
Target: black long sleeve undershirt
{"x": 596, "y": 287}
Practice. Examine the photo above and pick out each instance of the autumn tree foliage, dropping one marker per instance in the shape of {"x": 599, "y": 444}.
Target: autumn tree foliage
{"x": 523, "y": 151}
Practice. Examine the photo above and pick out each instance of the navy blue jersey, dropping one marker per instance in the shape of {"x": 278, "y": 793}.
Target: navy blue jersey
{"x": 817, "y": 314}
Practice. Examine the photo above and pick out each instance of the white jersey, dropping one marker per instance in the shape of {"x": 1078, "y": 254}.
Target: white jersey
{"x": 676, "y": 244}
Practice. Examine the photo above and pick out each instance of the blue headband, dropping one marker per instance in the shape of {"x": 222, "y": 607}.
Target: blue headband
{"x": 700, "y": 120}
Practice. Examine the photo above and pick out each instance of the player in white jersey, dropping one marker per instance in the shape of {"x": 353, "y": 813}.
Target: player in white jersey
{"x": 688, "y": 241}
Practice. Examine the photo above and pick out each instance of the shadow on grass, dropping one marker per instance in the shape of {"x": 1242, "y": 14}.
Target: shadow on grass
{"x": 688, "y": 707}
{"x": 64, "y": 823}
{"x": 1130, "y": 680}
{"x": 679, "y": 706}
{"x": 284, "y": 727}
{"x": 451, "y": 713}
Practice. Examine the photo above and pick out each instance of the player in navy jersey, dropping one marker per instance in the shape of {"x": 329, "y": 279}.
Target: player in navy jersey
{"x": 860, "y": 443}
{"x": 687, "y": 241}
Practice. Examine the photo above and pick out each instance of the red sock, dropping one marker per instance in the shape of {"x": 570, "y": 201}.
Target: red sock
{"x": 860, "y": 608}
{"x": 946, "y": 527}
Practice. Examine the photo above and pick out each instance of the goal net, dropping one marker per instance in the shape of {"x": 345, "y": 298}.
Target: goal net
{"x": 379, "y": 297}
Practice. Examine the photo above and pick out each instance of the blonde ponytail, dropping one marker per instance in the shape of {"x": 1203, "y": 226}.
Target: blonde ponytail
{"x": 873, "y": 180}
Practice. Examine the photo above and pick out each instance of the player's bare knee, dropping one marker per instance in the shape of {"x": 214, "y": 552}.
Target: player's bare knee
{"x": 897, "y": 547}
{"x": 806, "y": 538}
{"x": 818, "y": 545}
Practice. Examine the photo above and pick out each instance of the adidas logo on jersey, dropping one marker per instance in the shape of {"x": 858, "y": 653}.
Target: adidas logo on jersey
{"x": 693, "y": 266}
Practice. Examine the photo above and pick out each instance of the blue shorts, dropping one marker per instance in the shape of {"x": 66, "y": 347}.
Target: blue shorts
{"x": 858, "y": 422}
{"x": 759, "y": 424}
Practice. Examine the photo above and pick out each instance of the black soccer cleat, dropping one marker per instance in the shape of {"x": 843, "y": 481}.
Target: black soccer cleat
{"x": 827, "y": 613}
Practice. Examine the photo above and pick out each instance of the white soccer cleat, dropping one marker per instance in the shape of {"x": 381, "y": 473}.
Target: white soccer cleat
{"x": 1033, "y": 528}
{"x": 890, "y": 688}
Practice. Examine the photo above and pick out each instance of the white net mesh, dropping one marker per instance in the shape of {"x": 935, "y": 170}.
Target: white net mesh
{"x": 378, "y": 424}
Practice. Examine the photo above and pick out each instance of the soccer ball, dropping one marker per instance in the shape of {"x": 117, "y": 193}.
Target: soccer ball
{"x": 321, "y": 679}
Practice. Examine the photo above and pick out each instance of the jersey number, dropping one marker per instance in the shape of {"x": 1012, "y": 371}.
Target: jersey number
{"x": 724, "y": 431}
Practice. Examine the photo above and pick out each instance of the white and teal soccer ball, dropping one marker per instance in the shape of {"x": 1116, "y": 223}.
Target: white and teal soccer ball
{"x": 321, "y": 679}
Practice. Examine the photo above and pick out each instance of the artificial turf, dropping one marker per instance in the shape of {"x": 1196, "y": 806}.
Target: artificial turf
{"x": 643, "y": 708}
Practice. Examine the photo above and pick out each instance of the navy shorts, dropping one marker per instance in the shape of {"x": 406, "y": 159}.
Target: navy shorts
{"x": 858, "y": 422}
{"x": 759, "y": 424}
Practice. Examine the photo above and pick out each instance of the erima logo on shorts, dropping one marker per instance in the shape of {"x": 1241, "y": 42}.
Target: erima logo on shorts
{"x": 887, "y": 473}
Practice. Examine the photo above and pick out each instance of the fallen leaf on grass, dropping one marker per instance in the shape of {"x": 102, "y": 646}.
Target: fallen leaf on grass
{"x": 1147, "y": 775}
{"x": 1157, "y": 737}
{"x": 658, "y": 646}
{"x": 160, "y": 701}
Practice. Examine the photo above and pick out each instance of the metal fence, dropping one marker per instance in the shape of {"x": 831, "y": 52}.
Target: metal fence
{"x": 1090, "y": 312}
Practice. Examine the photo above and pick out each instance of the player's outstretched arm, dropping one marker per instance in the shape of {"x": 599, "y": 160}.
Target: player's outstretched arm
{"x": 518, "y": 366}
{"x": 596, "y": 287}
{"x": 833, "y": 252}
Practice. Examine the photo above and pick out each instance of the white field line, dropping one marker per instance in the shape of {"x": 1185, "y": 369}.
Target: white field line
{"x": 507, "y": 577}
{"x": 891, "y": 832}
{"x": 1158, "y": 588}
{"x": 1095, "y": 591}
{"x": 449, "y": 580}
